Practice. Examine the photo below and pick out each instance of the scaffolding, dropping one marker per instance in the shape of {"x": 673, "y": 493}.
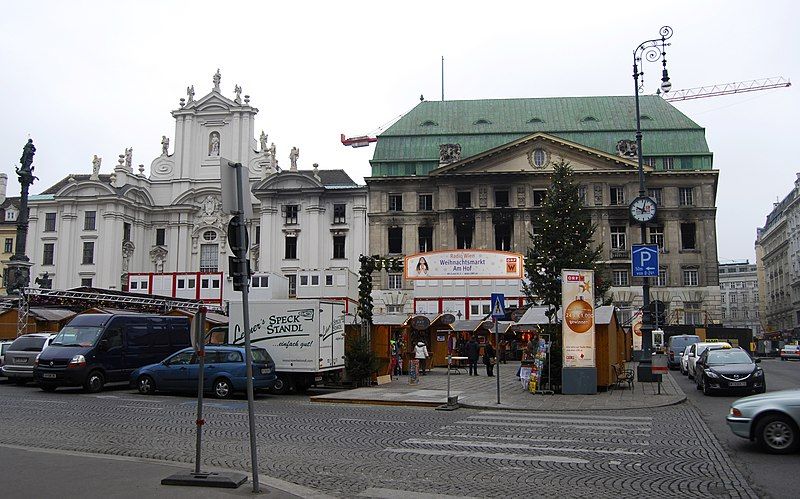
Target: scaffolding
{"x": 96, "y": 299}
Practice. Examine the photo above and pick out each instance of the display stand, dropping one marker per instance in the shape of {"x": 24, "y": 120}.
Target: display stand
{"x": 545, "y": 356}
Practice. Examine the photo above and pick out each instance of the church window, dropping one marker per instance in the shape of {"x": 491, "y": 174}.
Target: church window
{"x": 90, "y": 220}
{"x": 209, "y": 257}
{"x": 126, "y": 231}
{"x": 88, "y": 253}
{"x": 161, "y": 237}
{"x": 48, "y": 253}
{"x": 338, "y": 246}
{"x": 292, "y": 285}
{"x": 213, "y": 144}
{"x": 209, "y": 235}
{"x": 291, "y": 211}
{"x": 86, "y": 282}
{"x": 49, "y": 222}
{"x": 339, "y": 213}
{"x": 290, "y": 249}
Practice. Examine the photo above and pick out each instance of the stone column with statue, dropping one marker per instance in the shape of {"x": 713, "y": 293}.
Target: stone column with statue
{"x": 19, "y": 265}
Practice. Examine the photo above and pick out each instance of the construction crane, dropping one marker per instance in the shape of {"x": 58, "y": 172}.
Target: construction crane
{"x": 736, "y": 87}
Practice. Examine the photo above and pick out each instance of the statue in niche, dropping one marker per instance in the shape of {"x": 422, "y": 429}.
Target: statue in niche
{"x": 217, "y": 78}
{"x": 190, "y": 93}
{"x": 127, "y": 252}
{"x": 238, "y": 91}
{"x": 164, "y": 145}
{"x": 96, "y": 167}
{"x": 263, "y": 141}
{"x": 213, "y": 144}
{"x": 293, "y": 155}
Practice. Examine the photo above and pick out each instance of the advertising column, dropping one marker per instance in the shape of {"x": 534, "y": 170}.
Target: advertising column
{"x": 579, "y": 373}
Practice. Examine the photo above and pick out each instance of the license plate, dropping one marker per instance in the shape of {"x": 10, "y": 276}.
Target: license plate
{"x": 20, "y": 360}
{"x": 48, "y": 375}
{"x": 317, "y": 378}
{"x": 266, "y": 371}
{"x": 737, "y": 383}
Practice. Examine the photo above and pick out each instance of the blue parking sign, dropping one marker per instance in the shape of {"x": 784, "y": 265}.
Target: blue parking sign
{"x": 644, "y": 260}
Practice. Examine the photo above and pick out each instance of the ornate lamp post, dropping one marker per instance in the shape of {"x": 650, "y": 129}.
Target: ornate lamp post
{"x": 19, "y": 265}
{"x": 643, "y": 209}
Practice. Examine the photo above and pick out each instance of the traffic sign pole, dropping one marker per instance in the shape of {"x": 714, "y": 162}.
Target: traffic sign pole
{"x": 498, "y": 311}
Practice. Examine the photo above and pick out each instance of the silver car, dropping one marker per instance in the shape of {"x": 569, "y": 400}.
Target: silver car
{"x": 21, "y": 354}
{"x": 771, "y": 420}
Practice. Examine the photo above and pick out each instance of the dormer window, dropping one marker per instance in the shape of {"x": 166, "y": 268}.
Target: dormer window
{"x": 428, "y": 123}
{"x": 645, "y": 117}
{"x": 589, "y": 119}
{"x": 535, "y": 120}
{"x": 482, "y": 121}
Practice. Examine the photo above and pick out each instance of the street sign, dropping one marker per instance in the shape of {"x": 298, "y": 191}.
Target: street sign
{"x": 231, "y": 184}
{"x": 659, "y": 364}
{"x": 644, "y": 260}
{"x": 498, "y": 305}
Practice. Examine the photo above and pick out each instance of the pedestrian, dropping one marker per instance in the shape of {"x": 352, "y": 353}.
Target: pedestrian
{"x": 421, "y": 354}
{"x": 472, "y": 355}
{"x": 489, "y": 358}
{"x": 514, "y": 348}
{"x": 502, "y": 350}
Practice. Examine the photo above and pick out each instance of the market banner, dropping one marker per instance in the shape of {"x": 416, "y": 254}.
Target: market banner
{"x": 636, "y": 328}
{"x": 464, "y": 264}
{"x": 577, "y": 302}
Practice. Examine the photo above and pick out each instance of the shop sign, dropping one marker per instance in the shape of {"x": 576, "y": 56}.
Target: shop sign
{"x": 464, "y": 264}
{"x": 447, "y": 319}
{"x": 420, "y": 322}
{"x": 636, "y": 328}
{"x": 577, "y": 302}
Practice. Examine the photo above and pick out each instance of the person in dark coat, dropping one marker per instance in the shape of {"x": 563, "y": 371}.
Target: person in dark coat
{"x": 489, "y": 358}
{"x": 472, "y": 350}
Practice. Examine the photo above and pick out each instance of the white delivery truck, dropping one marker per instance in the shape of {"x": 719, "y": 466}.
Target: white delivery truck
{"x": 304, "y": 337}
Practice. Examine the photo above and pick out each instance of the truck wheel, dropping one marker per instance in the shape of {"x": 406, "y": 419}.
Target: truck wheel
{"x": 777, "y": 434}
{"x": 94, "y": 382}
{"x": 223, "y": 388}
{"x": 282, "y": 386}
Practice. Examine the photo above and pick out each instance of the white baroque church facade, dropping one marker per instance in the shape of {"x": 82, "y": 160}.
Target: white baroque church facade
{"x": 99, "y": 229}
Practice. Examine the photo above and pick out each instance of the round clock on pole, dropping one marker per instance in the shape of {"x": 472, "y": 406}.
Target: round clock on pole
{"x": 643, "y": 209}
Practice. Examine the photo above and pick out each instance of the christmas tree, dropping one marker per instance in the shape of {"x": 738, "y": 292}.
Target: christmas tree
{"x": 562, "y": 239}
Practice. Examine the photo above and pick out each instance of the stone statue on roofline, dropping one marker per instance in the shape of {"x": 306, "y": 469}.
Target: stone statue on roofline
{"x": 190, "y": 93}
{"x": 293, "y": 155}
{"x": 262, "y": 139}
{"x": 96, "y": 168}
{"x": 164, "y": 145}
{"x": 238, "y": 91}
{"x": 217, "y": 78}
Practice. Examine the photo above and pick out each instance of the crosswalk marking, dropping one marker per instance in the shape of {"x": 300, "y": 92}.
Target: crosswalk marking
{"x": 551, "y": 425}
{"x": 554, "y": 419}
{"x": 548, "y": 414}
{"x": 476, "y": 443}
{"x": 490, "y": 455}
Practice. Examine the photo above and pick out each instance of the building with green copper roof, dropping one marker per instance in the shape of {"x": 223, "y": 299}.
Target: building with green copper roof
{"x": 411, "y": 146}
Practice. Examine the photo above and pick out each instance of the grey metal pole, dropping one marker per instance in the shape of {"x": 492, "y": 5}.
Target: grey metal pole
{"x": 200, "y": 340}
{"x": 449, "y": 362}
{"x": 496, "y": 355}
{"x": 246, "y": 325}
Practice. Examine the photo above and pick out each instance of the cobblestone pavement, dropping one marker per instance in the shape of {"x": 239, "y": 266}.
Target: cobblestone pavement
{"x": 346, "y": 450}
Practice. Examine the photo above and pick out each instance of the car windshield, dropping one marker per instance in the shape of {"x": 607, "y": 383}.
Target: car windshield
{"x": 77, "y": 336}
{"x": 678, "y": 344}
{"x": 724, "y": 356}
{"x": 703, "y": 348}
{"x": 27, "y": 344}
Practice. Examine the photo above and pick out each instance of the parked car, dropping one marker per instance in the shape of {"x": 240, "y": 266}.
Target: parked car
{"x": 676, "y": 346}
{"x": 3, "y": 347}
{"x": 224, "y": 372}
{"x": 790, "y": 352}
{"x": 94, "y": 349}
{"x": 720, "y": 369}
{"x": 771, "y": 420}
{"x": 697, "y": 349}
{"x": 685, "y": 360}
{"x": 21, "y": 355}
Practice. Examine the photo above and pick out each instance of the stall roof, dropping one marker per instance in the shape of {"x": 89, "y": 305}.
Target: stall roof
{"x": 604, "y": 314}
{"x": 389, "y": 319}
{"x": 534, "y": 316}
{"x": 52, "y": 314}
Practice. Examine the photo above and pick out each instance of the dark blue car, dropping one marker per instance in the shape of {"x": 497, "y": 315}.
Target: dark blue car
{"x": 224, "y": 372}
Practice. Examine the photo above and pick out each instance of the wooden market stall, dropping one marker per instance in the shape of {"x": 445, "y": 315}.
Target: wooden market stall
{"x": 40, "y": 319}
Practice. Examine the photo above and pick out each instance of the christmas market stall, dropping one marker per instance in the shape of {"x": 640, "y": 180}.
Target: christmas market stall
{"x": 40, "y": 320}
{"x": 389, "y": 339}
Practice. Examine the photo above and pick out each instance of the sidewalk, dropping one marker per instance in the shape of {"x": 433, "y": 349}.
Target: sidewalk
{"x": 481, "y": 392}
{"x": 84, "y": 475}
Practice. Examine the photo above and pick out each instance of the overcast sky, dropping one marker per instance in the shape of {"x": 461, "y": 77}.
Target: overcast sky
{"x": 85, "y": 78}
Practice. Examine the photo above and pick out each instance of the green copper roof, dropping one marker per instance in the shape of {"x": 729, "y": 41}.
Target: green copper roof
{"x": 480, "y": 125}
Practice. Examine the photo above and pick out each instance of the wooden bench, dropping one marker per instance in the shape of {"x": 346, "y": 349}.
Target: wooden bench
{"x": 622, "y": 375}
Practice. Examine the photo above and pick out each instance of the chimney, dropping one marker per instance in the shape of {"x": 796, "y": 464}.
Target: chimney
{"x": 3, "y": 186}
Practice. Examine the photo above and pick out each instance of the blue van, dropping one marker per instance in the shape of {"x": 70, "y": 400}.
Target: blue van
{"x": 95, "y": 349}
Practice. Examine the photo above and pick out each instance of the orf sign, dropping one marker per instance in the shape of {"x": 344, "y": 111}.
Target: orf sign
{"x": 577, "y": 302}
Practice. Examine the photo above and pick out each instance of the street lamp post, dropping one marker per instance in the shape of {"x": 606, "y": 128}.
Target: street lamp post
{"x": 652, "y": 51}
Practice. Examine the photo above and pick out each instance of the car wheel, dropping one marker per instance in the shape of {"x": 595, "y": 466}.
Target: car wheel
{"x": 94, "y": 382}
{"x": 48, "y": 388}
{"x": 281, "y": 386}
{"x": 223, "y": 388}
{"x": 146, "y": 385}
{"x": 706, "y": 388}
{"x": 777, "y": 434}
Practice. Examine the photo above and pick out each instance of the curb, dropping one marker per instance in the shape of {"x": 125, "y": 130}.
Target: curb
{"x": 397, "y": 403}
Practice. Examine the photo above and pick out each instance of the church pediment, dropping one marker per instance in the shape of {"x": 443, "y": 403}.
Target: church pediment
{"x": 214, "y": 102}
{"x": 535, "y": 153}
{"x": 287, "y": 181}
{"x": 86, "y": 189}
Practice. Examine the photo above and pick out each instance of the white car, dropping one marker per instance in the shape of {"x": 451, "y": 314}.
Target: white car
{"x": 685, "y": 360}
{"x": 790, "y": 352}
{"x": 697, "y": 349}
